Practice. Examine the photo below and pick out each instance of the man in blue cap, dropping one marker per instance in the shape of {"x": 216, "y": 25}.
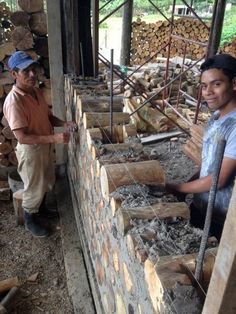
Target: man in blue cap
{"x": 218, "y": 81}
{"x": 32, "y": 123}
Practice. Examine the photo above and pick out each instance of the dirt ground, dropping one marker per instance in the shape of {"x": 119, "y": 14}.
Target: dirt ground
{"x": 24, "y": 256}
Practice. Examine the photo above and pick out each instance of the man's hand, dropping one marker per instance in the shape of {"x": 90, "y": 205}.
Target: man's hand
{"x": 61, "y": 138}
{"x": 173, "y": 189}
{"x": 70, "y": 126}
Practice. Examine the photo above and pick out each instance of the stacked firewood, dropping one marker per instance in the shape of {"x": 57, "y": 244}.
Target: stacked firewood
{"x": 149, "y": 38}
{"x": 21, "y": 30}
{"x": 230, "y": 48}
{"x": 124, "y": 214}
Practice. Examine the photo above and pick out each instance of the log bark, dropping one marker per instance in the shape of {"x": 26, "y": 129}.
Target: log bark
{"x": 17, "y": 202}
{"x": 127, "y": 278}
{"x": 5, "y": 148}
{"x": 7, "y": 284}
{"x": 144, "y": 172}
{"x": 31, "y": 6}
{"x": 95, "y": 119}
{"x": 159, "y": 210}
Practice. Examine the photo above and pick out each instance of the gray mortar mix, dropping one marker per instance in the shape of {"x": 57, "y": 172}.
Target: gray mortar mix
{"x": 170, "y": 237}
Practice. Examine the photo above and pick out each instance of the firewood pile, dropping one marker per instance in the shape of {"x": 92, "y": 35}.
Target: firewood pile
{"x": 148, "y": 38}
{"x": 21, "y": 30}
{"x": 131, "y": 229}
{"x": 230, "y": 48}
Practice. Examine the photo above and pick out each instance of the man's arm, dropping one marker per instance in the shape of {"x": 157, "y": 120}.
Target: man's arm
{"x": 204, "y": 184}
{"x": 56, "y": 122}
{"x": 24, "y": 138}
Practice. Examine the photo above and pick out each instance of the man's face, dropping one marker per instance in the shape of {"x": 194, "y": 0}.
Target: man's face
{"x": 217, "y": 89}
{"x": 26, "y": 78}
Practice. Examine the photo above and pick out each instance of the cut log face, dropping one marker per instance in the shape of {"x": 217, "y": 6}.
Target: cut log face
{"x": 38, "y": 23}
{"x": 144, "y": 172}
{"x": 7, "y": 284}
{"x": 31, "y": 6}
{"x": 22, "y": 38}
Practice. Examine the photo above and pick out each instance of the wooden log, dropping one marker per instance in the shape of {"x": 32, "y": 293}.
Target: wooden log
{"x": 6, "y": 49}
{"x": 127, "y": 278}
{"x": 98, "y": 105}
{"x": 41, "y": 46}
{"x": 7, "y": 132}
{"x": 38, "y": 23}
{"x": 5, "y": 191}
{"x": 167, "y": 271}
{"x": 4, "y": 162}
{"x": 5, "y": 148}
{"x": 111, "y": 148}
{"x": 20, "y": 18}
{"x": 92, "y": 136}
{"x": 144, "y": 172}
{"x": 95, "y": 119}
{"x": 159, "y": 210}
{"x": 7, "y": 284}
{"x": 17, "y": 203}
{"x": 115, "y": 204}
{"x": 22, "y": 38}
{"x": 31, "y": 6}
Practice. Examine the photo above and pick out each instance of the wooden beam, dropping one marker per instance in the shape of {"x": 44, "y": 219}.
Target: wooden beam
{"x": 95, "y": 21}
{"x": 221, "y": 293}
{"x": 126, "y": 33}
{"x": 56, "y": 65}
{"x": 216, "y": 27}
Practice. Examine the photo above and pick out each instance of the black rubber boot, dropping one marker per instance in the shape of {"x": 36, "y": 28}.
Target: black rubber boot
{"x": 32, "y": 225}
{"x": 45, "y": 212}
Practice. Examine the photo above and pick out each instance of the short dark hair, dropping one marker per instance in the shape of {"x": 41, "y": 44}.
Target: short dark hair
{"x": 224, "y": 62}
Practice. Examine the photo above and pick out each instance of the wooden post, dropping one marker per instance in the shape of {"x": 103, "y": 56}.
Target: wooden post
{"x": 216, "y": 27}
{"x": 56, "y": 66}
{"x": 95, "y": 19}
{"x": 126, "y": 33}
{"x": 220, "y": 297}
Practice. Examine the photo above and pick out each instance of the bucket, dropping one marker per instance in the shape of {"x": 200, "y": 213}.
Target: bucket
{"x": 15, "y": 181}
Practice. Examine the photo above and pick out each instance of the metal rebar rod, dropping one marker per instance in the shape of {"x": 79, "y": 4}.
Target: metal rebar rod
{"x": 140, "y": 66}
{"x": 160, "y": 12}
{"x": 145, "y": 97}
{"x": 211, "y": 201}
{"x": 111, "y": 94}
{"x": 102, "y": 7}
{"x": 195, "y": 14}
{"x": 116, "y": 9}
{"x": 191, "y": 41}
{"x": 164, "y": 87}
{"x": 82, "y": 59}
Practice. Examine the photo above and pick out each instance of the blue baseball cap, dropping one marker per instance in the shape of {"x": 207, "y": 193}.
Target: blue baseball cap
{"x": 20, "y": 60}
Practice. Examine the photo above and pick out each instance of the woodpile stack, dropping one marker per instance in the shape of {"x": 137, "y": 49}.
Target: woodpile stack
{"x": 21, "y": 30}
{"x": 148, "y": 38}
{"x": 121, "y": 220}
{"x": 230, "y": 48}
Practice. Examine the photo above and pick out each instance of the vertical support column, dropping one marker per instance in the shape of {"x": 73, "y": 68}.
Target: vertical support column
{"x": 126, "y": 33}
{"x": 76, "y": 45}
{"x": 216, "y": 27}
{"x": 67, "y": 35}
{"x": 56, "y": 65}
{"x": 221, "y": 293}
{"x": 95, "y": 21}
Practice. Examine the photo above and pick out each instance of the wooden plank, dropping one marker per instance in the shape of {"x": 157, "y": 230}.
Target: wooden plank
{"x": 221, "y": 293}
